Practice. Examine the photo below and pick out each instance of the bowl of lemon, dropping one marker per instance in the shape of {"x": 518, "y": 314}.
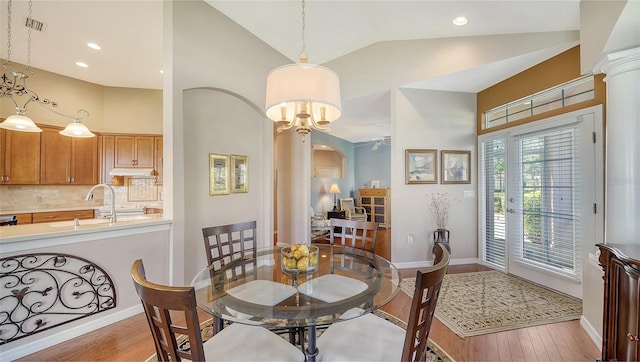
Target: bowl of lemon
{"x": 300, "y": 258}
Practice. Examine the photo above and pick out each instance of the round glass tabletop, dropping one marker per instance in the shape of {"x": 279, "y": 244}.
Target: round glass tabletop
{"x": 270, "y": 291}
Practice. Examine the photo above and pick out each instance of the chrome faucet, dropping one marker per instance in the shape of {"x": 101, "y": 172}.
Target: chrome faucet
{"x": 112, "y": 218}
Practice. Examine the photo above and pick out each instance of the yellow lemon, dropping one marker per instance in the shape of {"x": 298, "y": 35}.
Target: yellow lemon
{"x": 303, "y": 264}
{"x": 290, "y": 263}
{"x": 314, "y": 259}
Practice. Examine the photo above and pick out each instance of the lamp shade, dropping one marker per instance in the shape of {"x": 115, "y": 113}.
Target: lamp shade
{"x": 334, "y": 189}
{"x": 302, "y": 82}
{"x": 77, "y": 129}
{"x": 19, "y": 122}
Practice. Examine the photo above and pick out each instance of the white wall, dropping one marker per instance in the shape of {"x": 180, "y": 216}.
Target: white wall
{"x": 431, "y": 120}
{"x": 204, "y": 49}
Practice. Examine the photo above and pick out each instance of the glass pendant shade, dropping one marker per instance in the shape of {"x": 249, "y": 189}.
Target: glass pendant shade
{"x": 77, "y": 129}
{"x": 19, "y": 122}
{"x": 303, "y": 91}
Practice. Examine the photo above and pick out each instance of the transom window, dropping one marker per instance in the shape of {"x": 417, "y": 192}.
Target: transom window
{"x": 575, "y": 91}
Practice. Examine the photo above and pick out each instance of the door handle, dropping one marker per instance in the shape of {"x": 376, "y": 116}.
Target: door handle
{"x": 511, "y": 211}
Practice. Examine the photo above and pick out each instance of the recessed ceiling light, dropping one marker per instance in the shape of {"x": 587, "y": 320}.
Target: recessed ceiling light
{"x": 94, "y": 46}
{"x": 81, "y": 64}
{"x": 161, "y": 71}
{"x": 460, "y": 20}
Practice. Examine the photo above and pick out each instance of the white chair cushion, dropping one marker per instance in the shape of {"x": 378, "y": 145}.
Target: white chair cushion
{"x": 332, "y": 287}
{"x": 239, "y": 342}
{"x": 365, "y": 338}
{"x": 264, "y": 292}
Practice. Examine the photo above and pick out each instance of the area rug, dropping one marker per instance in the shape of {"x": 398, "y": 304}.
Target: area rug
{"x": 477, "y": 303}
{"x": 436, "y": 353}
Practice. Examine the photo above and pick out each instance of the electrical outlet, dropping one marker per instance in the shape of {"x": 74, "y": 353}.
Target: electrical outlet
{"x": 410, "y": 239}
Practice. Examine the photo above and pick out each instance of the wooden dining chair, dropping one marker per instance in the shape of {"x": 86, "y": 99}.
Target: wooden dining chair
{"x": 356, "y": 234}
{"x": 166, "y": 306}
{"x": 225, "y": 243}
{"x": 232, "y": 249}
{"x": 371, "y": 338}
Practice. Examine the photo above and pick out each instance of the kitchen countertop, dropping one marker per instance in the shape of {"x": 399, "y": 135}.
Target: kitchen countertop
{"x": 65, "y": 229}
{"x": 31, "y": 211}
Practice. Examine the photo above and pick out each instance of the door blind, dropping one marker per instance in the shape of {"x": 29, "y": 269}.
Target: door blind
{"x": 492, "y": 186}
{"x": 547, "y": 201}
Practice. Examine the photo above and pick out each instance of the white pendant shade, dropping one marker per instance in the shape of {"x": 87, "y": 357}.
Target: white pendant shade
{"x": 77, "y": 129}
{"x": 293, "y": 83}
{"x": 21, "y": 123}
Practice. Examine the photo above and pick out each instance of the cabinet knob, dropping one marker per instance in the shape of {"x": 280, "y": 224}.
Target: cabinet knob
{"x": 632, "y": 338}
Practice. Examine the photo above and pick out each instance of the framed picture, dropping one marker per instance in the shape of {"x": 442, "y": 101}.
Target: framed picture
{"x": 456, "y": 167}
{"x": 239, "y": 174}
{"x": 218, "y": 174}
{"x": 421, "y": 166}
{"x": 375, "y": 184}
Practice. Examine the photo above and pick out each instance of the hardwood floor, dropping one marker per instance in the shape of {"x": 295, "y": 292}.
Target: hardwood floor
{"x": 130, "y": 339}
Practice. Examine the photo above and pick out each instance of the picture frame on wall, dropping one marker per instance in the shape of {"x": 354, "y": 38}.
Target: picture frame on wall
{"x": 218, "y": 174}
{"x": 239, "y": 174}
{"x": 456, "y": 167}
{"x": 421, "y": 166}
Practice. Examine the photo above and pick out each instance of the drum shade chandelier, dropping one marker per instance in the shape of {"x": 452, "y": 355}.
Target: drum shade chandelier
{"x": 15, "y": 85}
{"x": 303, "y": 95}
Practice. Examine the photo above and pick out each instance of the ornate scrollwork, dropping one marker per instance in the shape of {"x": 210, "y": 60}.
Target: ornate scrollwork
{"x": 42, "y": 291}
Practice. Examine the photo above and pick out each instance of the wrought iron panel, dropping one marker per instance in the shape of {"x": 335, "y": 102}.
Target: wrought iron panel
{"x": 42, "y": 291}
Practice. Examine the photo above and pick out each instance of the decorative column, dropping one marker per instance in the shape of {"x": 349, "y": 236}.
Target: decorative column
{"x": 622, "y": 210}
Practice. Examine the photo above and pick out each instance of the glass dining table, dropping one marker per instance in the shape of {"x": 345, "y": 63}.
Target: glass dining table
{"x": 345, "y": 283}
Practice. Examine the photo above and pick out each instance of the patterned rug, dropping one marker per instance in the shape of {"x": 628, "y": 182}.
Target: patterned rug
{"x": 477, "y": 303}
{"x": 436, "y": 353}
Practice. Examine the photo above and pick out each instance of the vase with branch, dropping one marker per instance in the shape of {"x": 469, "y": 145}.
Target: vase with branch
{"x": 439, "y": 207}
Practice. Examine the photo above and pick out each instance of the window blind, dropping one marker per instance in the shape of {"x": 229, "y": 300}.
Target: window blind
{"x": 493, "y": 186}
{"x": 547, "y": 200}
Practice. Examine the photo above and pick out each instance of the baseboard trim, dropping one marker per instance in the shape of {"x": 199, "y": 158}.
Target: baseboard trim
{"x": 591, "y": 332}
{"x": 422, "y": 264}
{"x": 67, "y": 334}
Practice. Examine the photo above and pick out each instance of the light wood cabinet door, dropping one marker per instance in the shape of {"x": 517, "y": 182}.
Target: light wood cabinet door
{"x": 158, "y": 160}
{"x": 68, "y": 160}
{"x": 19, "y": 157}
{"x": 134, "y": 151}
{"x": 84, "y": 161}
{"x": 40, "y": 217}
{"x": 107, "y": 159}
{"x": 56, "y": 157}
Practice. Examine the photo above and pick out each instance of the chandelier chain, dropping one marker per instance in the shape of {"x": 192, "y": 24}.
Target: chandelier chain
{"x": 29, "y": 38}
{"x": 303, "y": 53}
{"x": 9, "y": 32}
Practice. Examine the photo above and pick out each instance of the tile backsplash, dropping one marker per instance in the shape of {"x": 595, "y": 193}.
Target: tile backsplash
{"x": 49, "y": 197}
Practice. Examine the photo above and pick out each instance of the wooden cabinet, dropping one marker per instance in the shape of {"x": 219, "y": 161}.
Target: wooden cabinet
{"x": 68, "y": 160}
{"x": 377, "y": 202}
{"x": 19, "y": 157}
{"x": 107, "y": 158}
{"x": 621, "y": 325}
{"x": 134, "y": 151}
{"x": 22, "y": 218}
{"x": 158, "y": 159}
{"x": 39, "y": 217}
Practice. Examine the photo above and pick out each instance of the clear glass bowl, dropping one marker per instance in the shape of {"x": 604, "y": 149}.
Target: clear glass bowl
{"x": 299, "y": 258}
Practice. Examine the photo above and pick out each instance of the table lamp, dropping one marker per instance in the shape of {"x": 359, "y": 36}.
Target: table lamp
{"x": 334, "y": 190}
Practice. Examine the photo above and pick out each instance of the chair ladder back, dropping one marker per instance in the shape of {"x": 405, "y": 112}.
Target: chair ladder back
{"x": 233, "y": 241}
{"x": 158, "y": 302}
{"x": 423, "y": 306}
{"x": 355, "y": 234}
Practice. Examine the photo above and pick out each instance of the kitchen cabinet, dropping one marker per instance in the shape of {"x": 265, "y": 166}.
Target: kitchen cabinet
{"x": 158, "y": 159}
{"x": 621, "y": 325}
{"x": 68, "y": 160}
{"x": 40, "y": 217}
{"x": 22, "y": 218}
{"x": 377, "y": 202}
{"x": 19, "y": 157}
{"x": 134, "y": 151}
{"x": 107, "y": 158}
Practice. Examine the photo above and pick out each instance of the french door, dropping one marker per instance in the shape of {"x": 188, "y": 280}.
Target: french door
{"x": 538, "y": 216}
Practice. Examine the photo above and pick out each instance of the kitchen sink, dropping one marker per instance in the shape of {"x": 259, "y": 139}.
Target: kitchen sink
{"x": 61, "y": 224}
